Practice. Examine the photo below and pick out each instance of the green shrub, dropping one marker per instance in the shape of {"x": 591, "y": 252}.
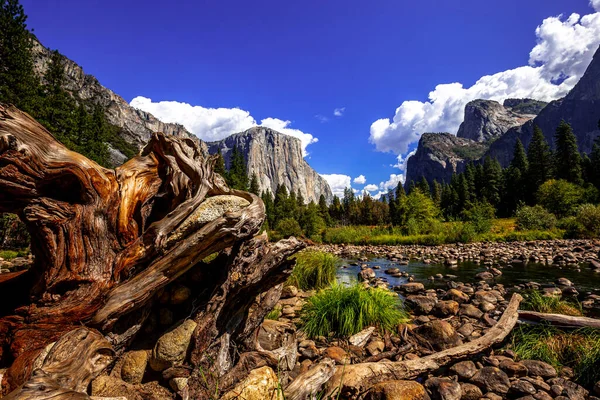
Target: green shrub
{"x": 535, "y": 301}
{"x": 534, "y": 218}
{"x": 588, "y": 215}
{"x": 314, "y": 270}
{"x": 288, "y": 227}
{"x": 559, "y": 197}
{"x": 579, "y": 349}
{"x": 346, "y": 310}
{"x": 480, "y": 215}
{"x": 8, "y": 254}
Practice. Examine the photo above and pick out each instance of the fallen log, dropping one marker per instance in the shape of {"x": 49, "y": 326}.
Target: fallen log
{"x": 560, "y": 320}
{"x": 354, "y": 380}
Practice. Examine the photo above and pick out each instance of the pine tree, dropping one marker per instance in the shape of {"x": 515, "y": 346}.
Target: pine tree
{"x": 436, "y": 193}
{"x": 515, "y": 182}
{"x": 18, "y": 82}
{"x": 237, "y": 176}
{"x": 220, "y": 164}
{"x": 539, "y": 158}
{"x": 492, "y": 188}
{"x": 267, "y": 198}
{"x": 594, "y": 174}
{"x": 300, "y": 199}
{"x": 324, "y": 210}
{"x": 567, "y": 160}
{"x": 392, "y": 205}
{"x": 424, "y": 186}
{"x": 254, "y": 185}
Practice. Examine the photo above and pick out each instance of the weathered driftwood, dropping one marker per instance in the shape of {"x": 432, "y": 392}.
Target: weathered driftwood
{"x": 566, "y": 321}
{"x": 107, "y": 241}
{"x": 63, "y": 376}
{"x": 354, "y": 380}
{"x": 308, "y": 384}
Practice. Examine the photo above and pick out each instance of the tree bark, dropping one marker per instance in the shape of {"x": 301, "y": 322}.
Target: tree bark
{"x": 107, "y": 241}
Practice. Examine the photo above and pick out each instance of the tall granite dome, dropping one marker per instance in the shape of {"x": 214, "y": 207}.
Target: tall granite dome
{"x": 276, "y": 159}
{"x": 487, "y": 119}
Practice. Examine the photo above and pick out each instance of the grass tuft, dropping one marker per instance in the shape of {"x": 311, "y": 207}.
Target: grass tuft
{"x": 314, "y": 270}
{"x": 274, "y": 314}
{"x": 535, "y": 301}
{"x": 346, "y": 310}
{"x": 579, "y": 349}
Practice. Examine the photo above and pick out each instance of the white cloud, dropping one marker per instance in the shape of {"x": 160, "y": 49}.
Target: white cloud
{"x": 391, "y": 183}
{"x": 403, "y": 161}
{"x": 564, "y": 49}
{"x": 337, "y": 183}
{"x": 360, "y": 180}
{"x": 371, "y": 188}
{"x": 321, "y": 118}
{"x": 338, "y": 112}
{"x": 212, "y": 124}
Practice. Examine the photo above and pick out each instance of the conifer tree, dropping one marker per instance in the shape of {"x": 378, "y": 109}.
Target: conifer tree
{"x": 567, "y": 160}
{"x": 492, "y": 172}
{"x": 237, "y": 176}
{"x": 424, "y": 186}
{"x": 436, "y": 193}
{"x": 19, "y": 84}
{"x": 254, "y": 185}
{"x": 539, "y": 158}
{"x": 220, "y": 164}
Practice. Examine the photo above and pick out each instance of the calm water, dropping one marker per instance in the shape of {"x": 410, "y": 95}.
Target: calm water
{"x": 586, "y": 281}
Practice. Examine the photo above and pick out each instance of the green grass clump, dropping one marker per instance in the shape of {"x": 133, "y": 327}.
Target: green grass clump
{"x": 314, "y": 270}
{"x": 8, "y": 254}
{"x": 346, "y": 310}
{"x": 274, "y": 314}
{"x": 579, "y": 349}
{"x": 535, "y": 301}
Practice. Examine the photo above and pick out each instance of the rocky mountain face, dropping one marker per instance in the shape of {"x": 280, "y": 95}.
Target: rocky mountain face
{"x": 488, "y": 119}
{"x": 497, "y": 127}
{"x": 276, "y": 159}
{"x": 439, "y": 155}
{"x": 136, "y": 125}
{"x": 580, "y": 108}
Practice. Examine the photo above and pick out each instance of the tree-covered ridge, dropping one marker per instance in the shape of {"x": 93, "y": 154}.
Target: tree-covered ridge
{"x": 79, "y": 124}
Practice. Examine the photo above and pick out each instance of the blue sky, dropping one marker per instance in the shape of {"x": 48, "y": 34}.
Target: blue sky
{"x": 241, "y": 63}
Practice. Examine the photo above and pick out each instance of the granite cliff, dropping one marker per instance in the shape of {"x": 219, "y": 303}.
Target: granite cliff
{"x": 276, "y": 159}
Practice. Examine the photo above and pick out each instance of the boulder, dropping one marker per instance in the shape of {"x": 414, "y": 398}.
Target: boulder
{"x": 469, "y": 310}
{"x": 397, "y": 390}
{"x": 470, "y": 391}
{"x": 522, "y": 388}
{"x": 456, "y": 295}
{"x": 464, "y": 369}
{"x": 539, "y": 368}
{"x": 443, "y": 389}
{"x": 440, "y": 334}
{"x": 338, "y": 355}
{"x": 260, "y": 384}
{"x": 171, "y": 349}
{"x": 445, "y": 308}
{"x": 366, "y": 275}
{"x": 492, "y": 379}
{"x": 412, "y": 287}
{"x": 419, "y": 304}
{"x": 133, "y": 366}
